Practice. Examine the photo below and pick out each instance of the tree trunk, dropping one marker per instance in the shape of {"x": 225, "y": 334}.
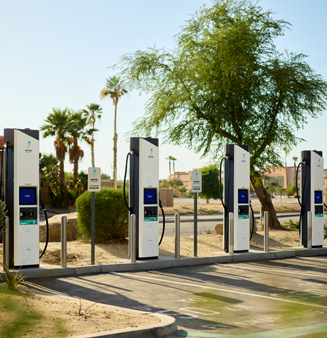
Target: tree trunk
{"x": 92, "y": 151}
{"x": 115, "y": 146}
{"x": 61, "y": 170}
{"x": 266, "y": 203}
{"x": 75, "y": 171}
{"x": 75, "y": 163}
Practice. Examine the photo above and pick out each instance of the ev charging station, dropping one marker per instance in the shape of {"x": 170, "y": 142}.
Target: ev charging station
{"x": 144, "y": 194}
{"x": 21, "y": 191}
{"x": 312, "y": 196}
{"x": 236, "y": 195}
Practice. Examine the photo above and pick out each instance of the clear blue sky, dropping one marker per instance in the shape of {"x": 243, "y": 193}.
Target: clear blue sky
{"x": 57, "y": 54}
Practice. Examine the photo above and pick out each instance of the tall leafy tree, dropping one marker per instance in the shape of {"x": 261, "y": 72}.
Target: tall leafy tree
{"x": 210, "y": 182}
{"x": 57, "y": 125}
{"x": 225, "y": 82}
{"x": 92, "y": 113}
{"x": 77, "y": 131}
{"x": 114, "y": 89}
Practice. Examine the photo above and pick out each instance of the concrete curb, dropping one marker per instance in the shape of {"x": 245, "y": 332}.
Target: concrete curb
{"x": 125, "y": 265}
{"x": 166, "y": 327}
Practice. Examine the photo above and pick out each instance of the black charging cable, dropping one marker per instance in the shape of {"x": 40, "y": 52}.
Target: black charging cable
{"x": 220, "y": 185}
{"x": 252, "y": 221}
{"x": 1, "y": 175}
{"x": 226, "y": 198}
{"x": 1, "y": 164}
{"x": 124, "y": 186}
{"x": 163, "y": 222}
{"x": 302, "y": 192}
{"x": 47, "y": 223}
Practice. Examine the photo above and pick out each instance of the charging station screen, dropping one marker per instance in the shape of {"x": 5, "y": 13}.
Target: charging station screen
{"x": 150, "y": 196}
{"x": 27, "y": 196}
{"x": 243, "y": 196}
{"x": 318, "y": 196}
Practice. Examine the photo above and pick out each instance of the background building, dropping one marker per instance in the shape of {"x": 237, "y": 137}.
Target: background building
{"x": 184, "y": 176}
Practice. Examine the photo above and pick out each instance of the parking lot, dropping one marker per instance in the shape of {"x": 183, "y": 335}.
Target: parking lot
{"x": 277, "y": 298}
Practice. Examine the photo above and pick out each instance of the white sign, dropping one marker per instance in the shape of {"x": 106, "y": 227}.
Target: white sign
{"x": 94, "y": 179}
{"x": 196, "y": 181}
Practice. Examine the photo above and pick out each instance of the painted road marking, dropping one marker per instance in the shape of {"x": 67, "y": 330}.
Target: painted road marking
{"x": 313, "y": 258}
{"x": 217, "y": 289}
{"x": 273, "y": 270}
{"x": 283, "y": 333}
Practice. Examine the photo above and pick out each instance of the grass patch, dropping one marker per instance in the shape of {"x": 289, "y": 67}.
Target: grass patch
{"x": 17, "y": 317}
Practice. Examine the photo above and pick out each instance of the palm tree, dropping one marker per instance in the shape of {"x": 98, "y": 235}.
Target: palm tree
{"x": 92, "y": 112}
{"x": 114, "y": 89}
{"x": 76, "y": 131}
{"x": 171, "y": 158}
{"x": 174, "y": 159}
{"x": 57, "y": 124}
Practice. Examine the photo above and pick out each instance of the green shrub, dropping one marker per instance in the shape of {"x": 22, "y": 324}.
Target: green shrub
{"x": 291, "y": 224}
{"x": 111, "y": 215}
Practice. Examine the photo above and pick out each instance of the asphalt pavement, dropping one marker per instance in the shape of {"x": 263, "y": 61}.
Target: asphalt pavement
{"x": 275, "y": 299}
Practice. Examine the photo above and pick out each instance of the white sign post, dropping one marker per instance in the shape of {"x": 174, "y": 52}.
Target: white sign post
{"x": 196, "y": 181}
{"x": 196, "y": 187}
{"x": 94, "y": 179}
{"x": 94, "y": 184}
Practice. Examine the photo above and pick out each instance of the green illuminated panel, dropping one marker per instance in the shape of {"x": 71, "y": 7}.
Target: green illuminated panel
{"x": 319, "y": 215}
{"x": 28, "y": 221}
{"x": 150, "y": 219}
{"x": 243, "y": 216}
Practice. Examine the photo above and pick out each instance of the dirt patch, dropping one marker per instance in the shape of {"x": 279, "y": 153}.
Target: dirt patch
{"x": 79, "y": 253}
{"x": 53, "y": 316}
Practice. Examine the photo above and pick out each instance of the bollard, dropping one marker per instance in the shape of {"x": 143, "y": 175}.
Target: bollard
{"x": 129, "y": 237}
{"x": 231, "y": 233}
{"x": 266, "y": 231}
{"x": 133, "y": 241}
{"x": 177, "y": 236}
{"x": 309, "y": 233}
{"x": 64, "y": 241}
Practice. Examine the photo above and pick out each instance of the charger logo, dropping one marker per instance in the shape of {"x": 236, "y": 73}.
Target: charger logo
{"x": 94, "y": 179}
{"x": 28, "y": 150}
{"x": 318, "y": 162}
{"x": 243, "y": 158}
{"x": 151, "y": 152}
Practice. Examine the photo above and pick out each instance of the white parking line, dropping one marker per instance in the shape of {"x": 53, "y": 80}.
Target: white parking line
{"x": 217, "y": 289}
{"x": 313, "y": 258}
{"x": 274, "y": 270}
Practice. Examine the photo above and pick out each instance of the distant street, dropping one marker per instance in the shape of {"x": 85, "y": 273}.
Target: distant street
{"x": 207, "y": 223}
